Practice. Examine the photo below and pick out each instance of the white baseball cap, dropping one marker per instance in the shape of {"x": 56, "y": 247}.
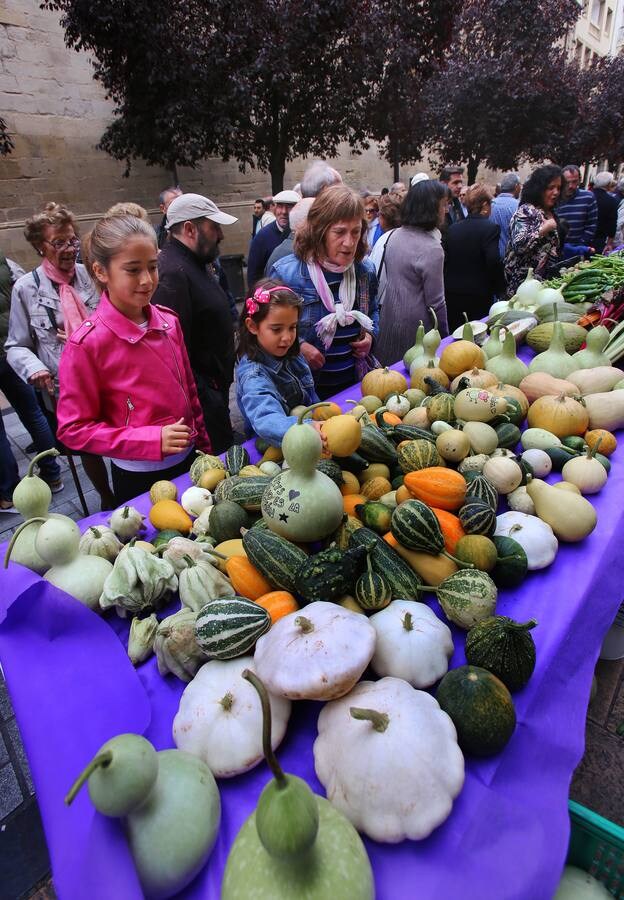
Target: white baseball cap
{"x": 187, "y": 207}
{"x": 418, "y": 177}
{"x": 286, "y": 197}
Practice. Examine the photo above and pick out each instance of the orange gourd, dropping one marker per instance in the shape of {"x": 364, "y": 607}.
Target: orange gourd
{"x": 351, "y": 501}
{"x": 246, "y": 579}
{"x": 437, "y": 487}
{"x": 608, "y": 441}
{"x": 451, "y": 528}
{"x": 391, "y": 418}
{"x": 322, "y": 413}
{"x": 278, "y": 604}
{"x": 402, "y": 494}
{"x": 432, "y": 569}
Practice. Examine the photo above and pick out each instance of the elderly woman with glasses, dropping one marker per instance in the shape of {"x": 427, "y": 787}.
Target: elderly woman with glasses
{"x": 47, "y": 305}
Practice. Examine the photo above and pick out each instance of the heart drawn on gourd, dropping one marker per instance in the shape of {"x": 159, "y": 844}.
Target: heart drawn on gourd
{"x": 292, "y": 495}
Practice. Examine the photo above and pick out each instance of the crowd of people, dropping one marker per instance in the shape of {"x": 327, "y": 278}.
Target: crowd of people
{"x": 125, "y": 344}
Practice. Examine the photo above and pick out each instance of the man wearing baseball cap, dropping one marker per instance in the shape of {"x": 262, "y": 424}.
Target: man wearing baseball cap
{"x": 271, "y": 236}
{"x": 186, "y": 286}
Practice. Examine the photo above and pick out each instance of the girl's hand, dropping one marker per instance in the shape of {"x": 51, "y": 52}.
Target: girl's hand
{"x": 361, "y": 347}
{"x": 42, "y": 381}
{"x": 61, "y": 335}
{"x": 314, "y": 357}
{"x": 175, "y": 438}
{"x": 548, "y": 226}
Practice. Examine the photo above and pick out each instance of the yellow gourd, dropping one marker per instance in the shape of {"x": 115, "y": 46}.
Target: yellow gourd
{"x": 570, "y": 516}
{"x": 350, "y": 484}
{"x": 233, "y": 547}
{"x": 169, "y": 514}
{"x": 210, "y": 479}
{"x": 272, "y": 454}
{"x": 163, "y": 490}
{"x": 342, "y": 434}
{"x": 375, "y": 470}
{"x": 432, "y": 569}
{"x": 460, "y": 356}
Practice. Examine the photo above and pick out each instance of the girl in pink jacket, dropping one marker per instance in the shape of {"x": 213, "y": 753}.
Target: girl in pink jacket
{"x": 126, "y": 386}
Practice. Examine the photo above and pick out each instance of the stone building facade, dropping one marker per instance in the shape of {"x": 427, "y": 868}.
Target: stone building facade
{"x": 56, "y": 114}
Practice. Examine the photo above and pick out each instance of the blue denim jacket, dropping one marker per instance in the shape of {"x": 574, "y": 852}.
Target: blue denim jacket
{"x": 267, "y": 388}
{"x": 291, "y": 271}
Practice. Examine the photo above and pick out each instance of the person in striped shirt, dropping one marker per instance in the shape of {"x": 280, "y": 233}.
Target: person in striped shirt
{"x": 578, "y": 207}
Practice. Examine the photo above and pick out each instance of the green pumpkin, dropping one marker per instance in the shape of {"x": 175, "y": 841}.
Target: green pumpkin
{"x": 479, "y": 488}
{"x": 330, "y": 573}
{"x": 477, "y": 517}
{"x": 481, "y": 709}
{"x": 441, "y": 408}
{"x": 503, "y": 647}
{"x": 371, "y": 591}
{"x": 512, "y": 564}
{"x": 418, "y": 454}
{"x": 302, "y": 504}
{"x": 226, "y": 520}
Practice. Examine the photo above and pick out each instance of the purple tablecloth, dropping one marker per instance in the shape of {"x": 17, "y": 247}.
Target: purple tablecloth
{"x": 73, "y": 687}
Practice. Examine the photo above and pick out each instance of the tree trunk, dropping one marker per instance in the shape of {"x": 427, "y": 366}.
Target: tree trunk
{"x": 277, "y": 168}
{"x": 174, "y": 173}
{"x": 473, "y": 167}
{"x": 396, "y": 163}
{"x": 585, "y": 173}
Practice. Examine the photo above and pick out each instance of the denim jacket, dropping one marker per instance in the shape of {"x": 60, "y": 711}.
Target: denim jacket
{"x": 267, "y": 388}
{"x": 293, "y": 272}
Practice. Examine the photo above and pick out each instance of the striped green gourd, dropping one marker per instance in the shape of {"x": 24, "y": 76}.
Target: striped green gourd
{"x": 480, "y": 488}
{"x": 440, "y": 407}
{"x": 332, "y": 470}
{"x": 415, "y": 526}
{"x": 403, "y": 432}
{"x": 230, "y": 626}
{"x": 371, "y": 590}
{"x": 467, "y": 597}
{"x": 375, "y": 446}
{"x": 248, "y": 491}
{"x": 222, "y": 490}
{"x": 503, "y": 647}
{"x": 236, "y": 458}
{"x": 203, "y": 463}
{"x": 398, "y": 575}
{"x": 419, "y": 454}
{"x": 508, "y": 435}
{"x": 477, "y": 517}
{"x": 276, "y": 558}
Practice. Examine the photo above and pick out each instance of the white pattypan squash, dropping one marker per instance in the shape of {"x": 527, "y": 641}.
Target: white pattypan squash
{"x": 412, "y": 643}
{"x": 536, "y": 537}
{"x": 316, "y": 654}
{"x": 388, "y": 758}
{"x": 220, "y": 719}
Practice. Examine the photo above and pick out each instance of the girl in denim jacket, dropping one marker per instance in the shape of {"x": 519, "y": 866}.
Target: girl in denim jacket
{"x": 272, "y": 376}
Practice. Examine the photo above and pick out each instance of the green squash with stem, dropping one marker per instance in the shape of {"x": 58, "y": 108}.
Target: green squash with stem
{"x": 302, "y": 504}
{"x": 296, "y": 844}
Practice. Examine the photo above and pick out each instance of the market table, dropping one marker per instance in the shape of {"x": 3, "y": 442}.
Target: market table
{"x": 73, "y": 688}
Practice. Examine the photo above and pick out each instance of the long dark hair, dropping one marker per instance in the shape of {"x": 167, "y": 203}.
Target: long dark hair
{"x": 537, "y": 182}
{"x": 422, "y": 204}
{"x": 279, "y": 295}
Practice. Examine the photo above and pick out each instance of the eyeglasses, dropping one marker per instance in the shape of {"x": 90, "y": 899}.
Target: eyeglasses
{"x": 60, "y": 245}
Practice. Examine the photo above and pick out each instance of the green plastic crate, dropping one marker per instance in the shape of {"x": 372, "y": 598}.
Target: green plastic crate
{"x": 597, "y": 846}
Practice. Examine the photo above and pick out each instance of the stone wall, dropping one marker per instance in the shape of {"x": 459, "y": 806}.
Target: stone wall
{"x": 56, "y": 114}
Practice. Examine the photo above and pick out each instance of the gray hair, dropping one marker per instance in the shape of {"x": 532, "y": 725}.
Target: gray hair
{"x": 509, "y": 182}
{"x": 317, "y": 176}
{"x": 397, "y": 186}
{"x": 170, "y": 190}
{"x": 299, "y": 213}
{"x": 603, "y": 180}
{"x": 110, "y": 235}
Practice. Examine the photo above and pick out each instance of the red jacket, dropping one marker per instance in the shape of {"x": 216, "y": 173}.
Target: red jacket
{"x": 120, "y": 384}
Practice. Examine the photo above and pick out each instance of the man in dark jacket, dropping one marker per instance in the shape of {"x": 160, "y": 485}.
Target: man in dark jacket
{"x": 473, "y": 271}
{"x": 271, "y": 236}
{"x": 194, "y": 223}
{"x": 165, "y": 199}
{"x": 607, "y": 204}
{"x": 453, "y": 178}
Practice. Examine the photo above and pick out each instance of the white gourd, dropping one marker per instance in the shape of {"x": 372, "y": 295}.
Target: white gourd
{"x": 83, "y": 578}
{"x": 585, "y": 472}
{"x": 539, "y": 460}
{"x": 412, "y": 643}
{"x": 535, "y": 537}
{"x": 317, "y": 654}
{"x": 195, "y": 500}
{"x": 127, "y": 522}
{"x": 219, "y": 718}
{"x": 361, "y": 740}
{"x": 504, "y": 473}
{"x": 520, "y": 501}
{"x": 99, "y": 540}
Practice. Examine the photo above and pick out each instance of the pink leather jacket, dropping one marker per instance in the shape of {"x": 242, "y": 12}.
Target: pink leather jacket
{"x": 120, "y": 384}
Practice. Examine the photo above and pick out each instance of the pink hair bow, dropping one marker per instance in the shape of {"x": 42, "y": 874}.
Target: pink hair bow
{"x": 261, "y": 295}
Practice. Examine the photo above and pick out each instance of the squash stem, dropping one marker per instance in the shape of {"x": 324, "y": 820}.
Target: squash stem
{"x": 227, "y": 702}
{"x": 459, "y": 562}
{"x": 407, "y": 622}
{"x": 102, "y": 759}
{"x": 304, "y": 624}
{"x": 7, "y": 555}
{"x": 95, "y": 531}
{"x": 51, "y": 452}
{"x": 521, "y": 626}
{"x": 267, "y": 749}
{"x": 379, "y": 721}
{"x": 216, "y": 552}
{"x": 309, "y": 409}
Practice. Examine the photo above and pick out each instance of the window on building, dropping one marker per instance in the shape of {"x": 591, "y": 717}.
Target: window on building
{"x": 588, "y": 56}
{"x": 608, "y": 22}
{"x": 578, "y": 53}
{"x": 596, "y": 13}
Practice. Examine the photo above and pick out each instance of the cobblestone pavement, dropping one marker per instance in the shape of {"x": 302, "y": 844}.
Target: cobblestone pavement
{"x": 24, "y": 865}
